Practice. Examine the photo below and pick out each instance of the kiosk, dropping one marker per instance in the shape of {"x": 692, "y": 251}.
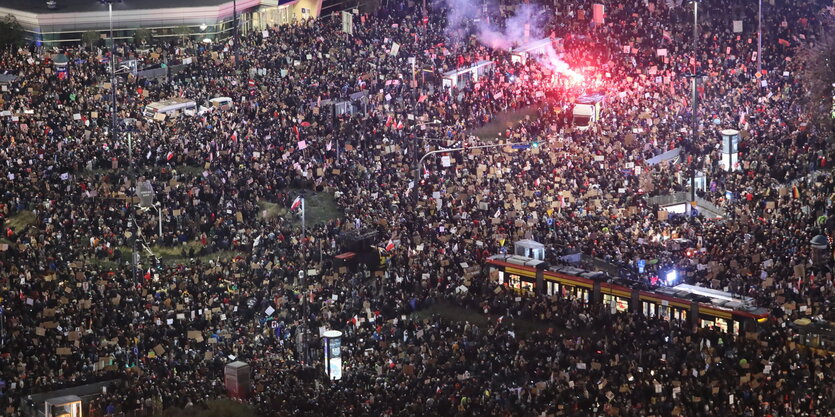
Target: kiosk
{"x": 65, "y": 406}
{"x": 333, "y": 354}
{"x": 730, "y": 151}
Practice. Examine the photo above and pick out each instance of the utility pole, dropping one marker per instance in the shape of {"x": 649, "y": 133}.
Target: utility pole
{"x": 415, "y": 148}
{"x": 464, "y": 148}
{"x": 114, "y": 126}
{"x": 304, "y": 351}
{"x": 760, "y": 38}
{"x": 235, "y": 33}
{"x": 695, "y": 103}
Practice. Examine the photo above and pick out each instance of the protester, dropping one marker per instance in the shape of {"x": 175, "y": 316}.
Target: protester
{"x": 74, "y": 311}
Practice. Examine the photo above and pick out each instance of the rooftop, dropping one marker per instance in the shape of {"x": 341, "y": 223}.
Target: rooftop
{"x": 81, "y": 6}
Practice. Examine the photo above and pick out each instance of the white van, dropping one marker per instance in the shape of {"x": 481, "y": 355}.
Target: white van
{"x": 169, "y": 107}
{"x": 587, "y": 110}
{"x": 222, "y": 103}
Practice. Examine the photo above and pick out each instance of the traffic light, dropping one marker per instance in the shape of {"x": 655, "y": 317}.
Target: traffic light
{"x": 535, "y": 144}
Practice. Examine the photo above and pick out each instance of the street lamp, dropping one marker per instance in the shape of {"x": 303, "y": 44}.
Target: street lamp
{"x": 465, "y": 148}
{"x": 760, "y": 37}
{"x": 158, "y": 207}
{"x": 113, "y": 124}
{"x": 414, "y": 142}
{"x": 695, "y": 75}
{"x": 235, "y": 24}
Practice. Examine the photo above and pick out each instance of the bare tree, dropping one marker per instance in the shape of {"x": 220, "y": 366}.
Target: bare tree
{"x": 817, "y": 73}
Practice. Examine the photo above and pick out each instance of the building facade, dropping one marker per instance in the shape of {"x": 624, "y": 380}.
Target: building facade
{"x": 210, "y": 20}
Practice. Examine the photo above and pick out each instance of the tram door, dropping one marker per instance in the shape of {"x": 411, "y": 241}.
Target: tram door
{"x": 576, "y": 293}
{"x": 649, "y": 308}
{"x": 551, "y": 287}
{"x": 672, "y": 313}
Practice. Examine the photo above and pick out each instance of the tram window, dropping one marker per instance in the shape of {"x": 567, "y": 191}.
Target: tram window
{"x": 622, "y": 304}
{"x": 551, "y": 287}
{"x": 722, "y": 324}
{"x": 706, "y": 323}
{"x": 736, "y": 327}
{"x": 665, "y": 313}
{"x": 582, "y": 294}
{"x": 566, "y": 292}
{"x": 527, "y": 286}
{"x": 515, "y": 281}
{"x": 501, "y": 277}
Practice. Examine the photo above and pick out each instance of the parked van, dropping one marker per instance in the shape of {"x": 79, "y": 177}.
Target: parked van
{"x": 222, "y": 103}
{"x": 587, "y": 110}
{"x": 169, "y": 107}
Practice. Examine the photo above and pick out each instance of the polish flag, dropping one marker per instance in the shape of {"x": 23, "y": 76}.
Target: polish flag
{"x": 389, "y": 246}
{"x": 296, "y": 203}
{"x": 169, "y": 156}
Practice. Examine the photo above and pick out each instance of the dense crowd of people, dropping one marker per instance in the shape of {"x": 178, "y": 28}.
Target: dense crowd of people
{"x": 74, "y": 309}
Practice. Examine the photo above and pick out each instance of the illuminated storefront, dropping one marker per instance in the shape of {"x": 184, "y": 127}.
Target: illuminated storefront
{"x": 205, "y": 19}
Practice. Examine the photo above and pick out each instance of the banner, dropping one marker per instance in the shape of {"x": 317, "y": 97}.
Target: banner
{"x": 597, "y": 13}
{"x": 348, "y": 23}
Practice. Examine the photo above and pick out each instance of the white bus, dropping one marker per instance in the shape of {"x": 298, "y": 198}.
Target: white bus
{"x": 521, "y": 53}
{"x": 169, "y": 107}
{"x": 460, "y": 77}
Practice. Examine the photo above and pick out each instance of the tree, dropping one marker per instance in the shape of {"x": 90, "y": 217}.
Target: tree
{"x": 817, "y": 73}
{"x": 183, "y": 31}
{"x": 90, "y": 38}
{"x": 142, "y": 36}
{"x": 11, "y": 33}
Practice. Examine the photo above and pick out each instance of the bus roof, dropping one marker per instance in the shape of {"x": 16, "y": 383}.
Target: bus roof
{"x": 590, "y": 98}
{"x": 532, "y": 45}
{"x": 172, "y": 101}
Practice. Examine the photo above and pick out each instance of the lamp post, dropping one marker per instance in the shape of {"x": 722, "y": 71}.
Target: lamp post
{"x": 158, "y": 207}
{"x": 235, "y": 33}
{"x": 415, "y": 146}
{"x": 465, "y": 148}
{"x": 760, "y": 37}
{"x": 114, "y": 127}
{"x": 695, "y": 102}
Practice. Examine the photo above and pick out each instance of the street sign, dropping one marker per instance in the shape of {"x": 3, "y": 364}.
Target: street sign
{"x": 521, "y": 146}
{"x": 145, "y": 191}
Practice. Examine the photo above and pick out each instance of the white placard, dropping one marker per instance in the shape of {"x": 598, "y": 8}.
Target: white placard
{"x": 737, "y": 26}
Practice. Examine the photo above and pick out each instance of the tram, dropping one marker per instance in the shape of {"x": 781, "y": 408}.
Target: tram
{"x": 703, "y": 306}
{"x": 817, "y": 337}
